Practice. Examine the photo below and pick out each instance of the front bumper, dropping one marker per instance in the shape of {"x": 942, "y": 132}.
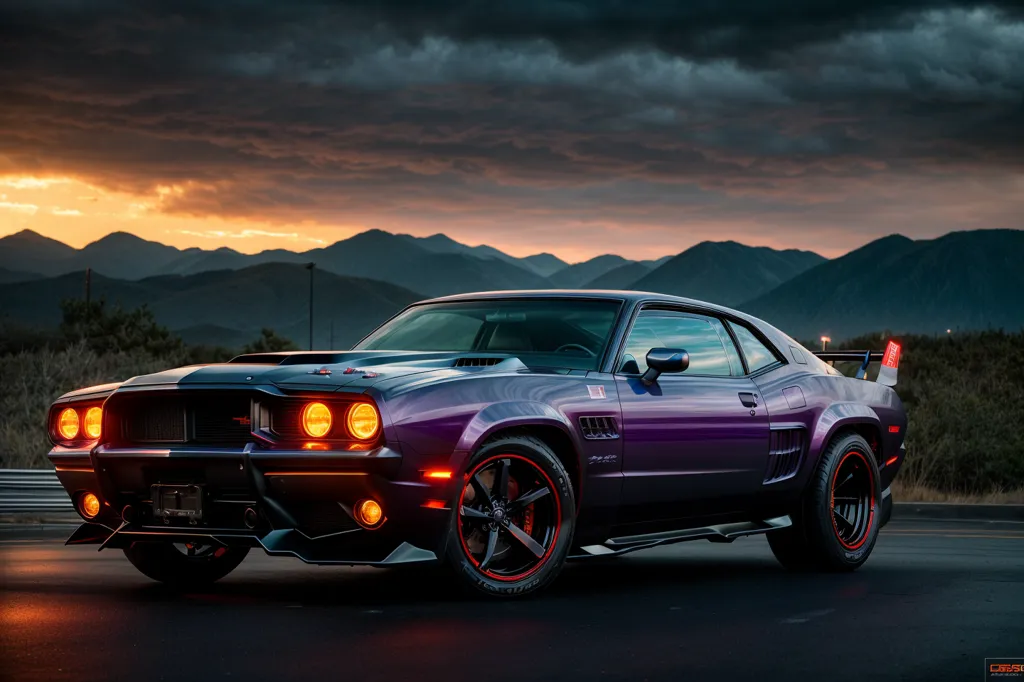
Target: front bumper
{"x": 303, "y": 501}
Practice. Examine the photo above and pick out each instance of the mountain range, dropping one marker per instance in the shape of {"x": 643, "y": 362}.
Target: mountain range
{"x": 968, "y": 280}
{"x": 962, "y": 280}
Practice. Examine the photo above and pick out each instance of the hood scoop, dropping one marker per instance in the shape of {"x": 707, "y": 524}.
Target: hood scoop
{"x": 478, "y": 362}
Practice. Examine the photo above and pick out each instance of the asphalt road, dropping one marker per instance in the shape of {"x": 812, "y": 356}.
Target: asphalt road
{"x": 933, "y": 601}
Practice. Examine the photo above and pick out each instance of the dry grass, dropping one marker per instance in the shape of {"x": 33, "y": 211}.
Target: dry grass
{"x": 31, "y": 381}
{"x": 920, "y": 493}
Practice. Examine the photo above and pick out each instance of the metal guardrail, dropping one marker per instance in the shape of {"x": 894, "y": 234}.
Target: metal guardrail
{"x": 32, "y": 490}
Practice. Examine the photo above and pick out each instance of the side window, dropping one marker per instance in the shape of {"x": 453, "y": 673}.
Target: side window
{"x": 735, "y": 364}
{"x": 757, "y": 354}
{"x": 663, "y": 329}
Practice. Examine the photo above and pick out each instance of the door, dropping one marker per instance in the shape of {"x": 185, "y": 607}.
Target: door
{"x": 696, "y": 442}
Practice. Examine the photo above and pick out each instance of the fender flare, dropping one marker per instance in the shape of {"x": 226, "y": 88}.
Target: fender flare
{"x": 837, "y": 416}
{"x": 509, "y": 414}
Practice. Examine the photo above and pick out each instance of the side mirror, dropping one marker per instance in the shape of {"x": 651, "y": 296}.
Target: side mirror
{"x": 662, "y": 360}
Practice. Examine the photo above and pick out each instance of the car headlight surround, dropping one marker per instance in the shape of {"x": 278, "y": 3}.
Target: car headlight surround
{"x": 93, "y": 422}
{"x": 68, "y": 423}
{"x": 363, "y": 421}
{"x": 317, "y": 419}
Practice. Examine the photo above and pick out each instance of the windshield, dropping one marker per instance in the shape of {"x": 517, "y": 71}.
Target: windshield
{"x": 540, "y": 332}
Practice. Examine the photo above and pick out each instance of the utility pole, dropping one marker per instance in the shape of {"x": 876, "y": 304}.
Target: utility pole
{"x": 311, "y": 267}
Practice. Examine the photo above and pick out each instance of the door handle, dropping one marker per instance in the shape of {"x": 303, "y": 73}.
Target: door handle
{"x": 748, "y": 399}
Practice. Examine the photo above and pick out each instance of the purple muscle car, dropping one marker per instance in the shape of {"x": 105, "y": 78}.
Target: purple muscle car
{"x": 500, "y": 434}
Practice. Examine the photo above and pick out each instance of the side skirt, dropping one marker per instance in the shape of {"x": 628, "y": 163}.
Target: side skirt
{"x": 726, "y": 532}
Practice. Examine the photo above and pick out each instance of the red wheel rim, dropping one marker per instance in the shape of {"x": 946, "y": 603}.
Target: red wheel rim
{"x": 491, "y": 525}
{"x": 852, "y": 500}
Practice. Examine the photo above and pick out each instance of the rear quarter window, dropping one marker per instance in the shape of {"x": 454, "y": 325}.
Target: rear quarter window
{"x": 758, "y": 355}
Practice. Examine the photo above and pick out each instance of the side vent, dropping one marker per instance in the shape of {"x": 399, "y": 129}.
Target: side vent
{"x": 598, "y": 428}
{"x": 477, "y": 362}
{"x": 785, "y": 450}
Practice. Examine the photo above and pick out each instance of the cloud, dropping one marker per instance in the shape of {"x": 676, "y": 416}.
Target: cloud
{"x": 520, "y": 121}
{"x": 248, "y": 234}
{"x": 30, "y": 209}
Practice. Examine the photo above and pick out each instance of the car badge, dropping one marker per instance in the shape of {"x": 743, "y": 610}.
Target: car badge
{"x": 596, "y": 392}
{"x": 323, "y": 372}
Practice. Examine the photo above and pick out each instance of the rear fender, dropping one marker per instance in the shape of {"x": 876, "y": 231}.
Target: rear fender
{"x": 836, "y": 417}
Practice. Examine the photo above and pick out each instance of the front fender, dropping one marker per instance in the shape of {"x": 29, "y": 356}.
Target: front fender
{"x": 503, "y": 415}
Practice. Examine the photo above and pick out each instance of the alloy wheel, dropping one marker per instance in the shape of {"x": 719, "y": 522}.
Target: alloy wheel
{"x": 852, "y": 500}
{"x": 509, "y": 517}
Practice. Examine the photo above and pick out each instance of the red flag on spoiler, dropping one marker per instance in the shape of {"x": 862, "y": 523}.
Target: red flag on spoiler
{"x": 890, "y": 364}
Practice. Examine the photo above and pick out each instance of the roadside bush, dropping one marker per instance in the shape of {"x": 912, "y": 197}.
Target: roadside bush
{"x": 31, "y": 380}
{"x": 110, "y": 329}
{"x": 270, "y": 342}
{"x": 964, "y": 395}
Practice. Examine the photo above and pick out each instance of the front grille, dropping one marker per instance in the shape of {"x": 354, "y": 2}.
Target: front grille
{"x": 226, "y": 421}
{"x": 155, "y": 422}
{"x": 223, "y": 420}
{"x": 598, "y": 428}
{"x": 785, "y": 449}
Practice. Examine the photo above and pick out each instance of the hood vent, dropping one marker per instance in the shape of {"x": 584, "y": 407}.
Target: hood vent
{"x": 478, "y": 362}
{"x": 598, "y": 428}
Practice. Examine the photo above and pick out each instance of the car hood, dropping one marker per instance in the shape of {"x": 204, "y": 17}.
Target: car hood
{"x": 329, "y": 371}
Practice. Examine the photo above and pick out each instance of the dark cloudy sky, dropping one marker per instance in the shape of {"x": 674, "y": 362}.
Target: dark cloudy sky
{"x": 566, "y": 126}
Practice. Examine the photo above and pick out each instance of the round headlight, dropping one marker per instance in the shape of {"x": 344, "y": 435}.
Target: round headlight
{"x": 89, "y": 505}
{"x": 369, "y": 513}
{"x": 93, "y": 422}
{"x": 316, "y": 420}
{"x": 67, "y": 424}
{"x": 363, "y": 421}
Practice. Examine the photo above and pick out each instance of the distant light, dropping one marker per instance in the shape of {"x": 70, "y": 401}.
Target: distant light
{"x": 826, "y": 339}
{"x": 949, "y": 331}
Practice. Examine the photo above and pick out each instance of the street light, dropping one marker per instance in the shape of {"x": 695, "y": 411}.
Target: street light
{"x": 310, "y": 267}
{"x": 825, "y": 340}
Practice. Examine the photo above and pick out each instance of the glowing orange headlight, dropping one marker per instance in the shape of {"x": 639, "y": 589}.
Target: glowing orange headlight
{"x": 93, "y": 422}
{"x": 316, "y": 420}
{"x": 67, "y": 424}
{"x": 363, "y": 421}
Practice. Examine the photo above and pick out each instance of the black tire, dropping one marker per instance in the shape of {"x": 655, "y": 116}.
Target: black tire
{"x": 833, "y": 532}
{"x": 163, "y": 562}
{"x": 519, "y": 568}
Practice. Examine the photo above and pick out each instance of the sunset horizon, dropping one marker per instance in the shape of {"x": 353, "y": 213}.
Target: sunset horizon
{"x": 77, "y": 213}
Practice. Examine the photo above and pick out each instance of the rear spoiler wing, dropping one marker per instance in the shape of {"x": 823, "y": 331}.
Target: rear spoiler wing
{"x": 890, "y": 359}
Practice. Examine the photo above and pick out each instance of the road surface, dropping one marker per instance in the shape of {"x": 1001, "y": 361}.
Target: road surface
{"x": 933, "y": 601}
